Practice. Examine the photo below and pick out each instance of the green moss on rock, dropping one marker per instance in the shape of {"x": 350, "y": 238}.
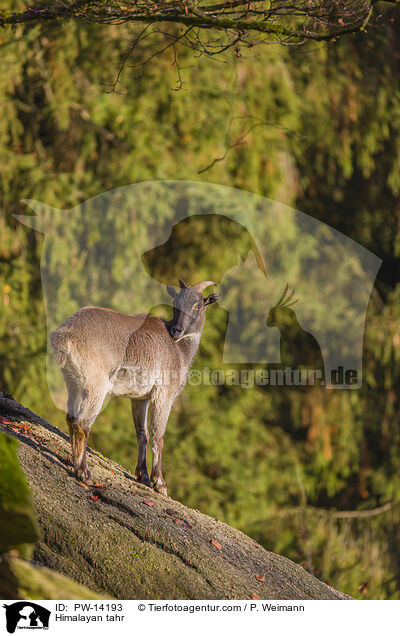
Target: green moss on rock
{"x": 27, "y": 581}
{"x": 18, "y": 526}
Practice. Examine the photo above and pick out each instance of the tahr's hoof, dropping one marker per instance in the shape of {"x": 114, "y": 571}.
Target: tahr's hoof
{"x": 161, "y": 488}
{"x": 143, "y": 478}
{"x": 83, "y": 475}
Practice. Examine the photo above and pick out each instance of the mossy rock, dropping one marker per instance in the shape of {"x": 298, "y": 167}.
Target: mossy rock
{"x": 22, "y": 580}
{"x": 122, "y": 539}
{"x": 18, "y": 527}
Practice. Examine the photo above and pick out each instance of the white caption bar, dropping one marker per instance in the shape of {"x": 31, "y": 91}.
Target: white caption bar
{"x": 128, "y": 617}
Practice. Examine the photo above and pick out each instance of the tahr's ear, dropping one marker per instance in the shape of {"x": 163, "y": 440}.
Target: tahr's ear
{"x": 171, "y": 292}
{"x": 211, "y": 299}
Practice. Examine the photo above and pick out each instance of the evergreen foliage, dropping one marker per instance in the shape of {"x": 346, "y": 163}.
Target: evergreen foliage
{"x": 316, "y": 127}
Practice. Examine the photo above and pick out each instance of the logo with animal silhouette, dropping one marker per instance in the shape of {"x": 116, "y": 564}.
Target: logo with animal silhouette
{"x": 26, "y": 615}
{"x": 299, "y": 349}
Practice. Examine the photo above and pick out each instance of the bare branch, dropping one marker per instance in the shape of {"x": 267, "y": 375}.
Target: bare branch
{"x": 255, "y": 122}
{"x": 276, "y": 19}
{"x": 208, "y": 27}
{"x": 341, "y": 514}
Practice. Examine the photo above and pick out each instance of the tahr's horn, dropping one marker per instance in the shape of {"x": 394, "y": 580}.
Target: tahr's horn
{"x": 199, "y": 287}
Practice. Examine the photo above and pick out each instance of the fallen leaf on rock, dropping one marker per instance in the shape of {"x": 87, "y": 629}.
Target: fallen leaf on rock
{"x": 148, "y": 503}
{"x": 14, "y": 426}
{"x": 100, "y": 485}
{"x": 255, "y": 597}
{"x": 94, "y": 498}
{"x": 216, "y": 544}
{"x": 83, "y": 485}
{"x": 260, "y": 578}
{"x": 178, "y": 520}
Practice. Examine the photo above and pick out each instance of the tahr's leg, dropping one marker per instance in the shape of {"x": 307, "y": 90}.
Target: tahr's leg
{"x": 79, "y": 434}
{"x": 139, "y": 413}
{"x": 158, "y": 423}
{"x": 84, "y": 405}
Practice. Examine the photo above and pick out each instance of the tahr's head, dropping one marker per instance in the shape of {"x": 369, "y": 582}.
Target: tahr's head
{"x": 281, "y": 315}
{"x": 189, "y": 309}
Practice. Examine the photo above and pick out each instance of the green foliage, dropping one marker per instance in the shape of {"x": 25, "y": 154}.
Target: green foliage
{"x": 318, "y": 128}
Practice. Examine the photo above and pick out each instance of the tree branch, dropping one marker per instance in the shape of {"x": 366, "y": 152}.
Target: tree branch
{"x": 278, "y": 19}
